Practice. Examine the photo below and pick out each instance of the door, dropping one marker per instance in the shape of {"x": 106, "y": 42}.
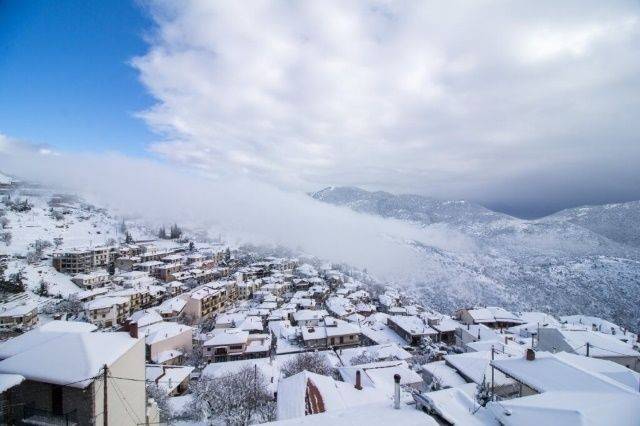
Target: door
{"x": 56, "y": 399}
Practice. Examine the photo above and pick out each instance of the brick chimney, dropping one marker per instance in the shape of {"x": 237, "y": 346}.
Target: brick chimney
{"x": 133, "y": 330}
{"x": 530, "y": 354}
{"x": 358, "y": 380}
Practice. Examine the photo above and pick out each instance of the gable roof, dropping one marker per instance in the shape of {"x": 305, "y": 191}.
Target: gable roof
{"x": 70, "y": 359}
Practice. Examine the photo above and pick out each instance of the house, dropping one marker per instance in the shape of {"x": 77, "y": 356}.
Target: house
{"x": 172, "y": 379}
{"x": 84, "y": 260}
{"x": 491, "y": 316}
{"x": 166, "y": 342}
{"x": 307, "y": 393}
{"x": 380, "y": 375}
{"x": 308, "y": 317}
{"x": 386, "y": 352}
{"x": 411, "y": 328}
{"x": 171, "y": 309}
{"x": 439, "y": 375}
{"x": 22, "y": 315}
{"x": 67, "y": 385}
{"x": 91, "y": 280}
{"x": 455, "y": 406}
{"x": 475, "y": 367}
{"x": 340, "y": 307}
{"x": 588, "y": 343}
{"x": 554, "y": 390}
{"x": 107, "y": 311}
{"x": 205, "y": 300}
{"x": 235, "y": 344}
{"x": 165, "y": 271}
{"x": 331, "y": 332}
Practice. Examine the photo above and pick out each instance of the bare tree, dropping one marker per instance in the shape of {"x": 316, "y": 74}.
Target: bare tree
{"x": 314, "y": 362}
{"x": 238, "y": 398}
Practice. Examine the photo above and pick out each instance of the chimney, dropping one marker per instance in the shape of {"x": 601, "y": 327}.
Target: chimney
{"x": 530, "y": 354}
{"x": 396, "y": 392}
{"x": 133, "y": 330}
{"x": 358, "y": 380}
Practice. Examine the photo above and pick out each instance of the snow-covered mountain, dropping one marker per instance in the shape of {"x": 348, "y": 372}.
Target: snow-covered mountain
{"x": 579, "y": 260}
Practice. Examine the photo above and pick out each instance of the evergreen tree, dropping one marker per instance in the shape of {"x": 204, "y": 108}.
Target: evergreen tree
{"x": 112, "y": 268}
{"x": 191, "y": 246}
{"x": 162, "y": 233}
{"x": 128, "y": 239}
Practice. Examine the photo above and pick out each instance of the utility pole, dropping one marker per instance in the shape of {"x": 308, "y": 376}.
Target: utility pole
{"x": 105, "y": 400}
{"x": 493, "y": 389}
{"x": 588, "y": 349}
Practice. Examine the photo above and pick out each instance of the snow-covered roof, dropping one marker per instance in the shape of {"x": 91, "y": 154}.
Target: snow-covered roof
{"x": 164, "y": 330}
{"x": 175, "y": 304}
{"x": 551, "y": 373}
{"x": 19, "y": 309}
{"x": 69, "y": 359}
{"x": 412, "y": 324}
{"x": 457, "y": 406}
{"x": 340, "y": 306}
{"x": 229, "y": 336}
{"x": 380, "y": 375}
{"x": 446, "y": 376}
{"x": 309, "y": 314}
{"x": 379, "y": 352}
{"x": 7, "y": 381}
{"x": 68, "y": 326}
{"x": 292, "y": 394}
{"x": 569, "y": 409}
{"x": 105, "y": 302}
{"x": 600, "y": 344}
{"x": 493, "y": 314}
{"x": 145, "y": 317}
{"x": 167, "y": 377}
{"x": 373, "y": 414}
{"x": 475, "y": 366}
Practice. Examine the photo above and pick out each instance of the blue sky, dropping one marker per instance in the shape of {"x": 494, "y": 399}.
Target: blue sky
{"x": 64, "y": 74}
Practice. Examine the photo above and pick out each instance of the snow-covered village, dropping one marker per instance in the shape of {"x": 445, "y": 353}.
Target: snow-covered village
{"x": 319, "y": 212}
{"x": 104, "y": 319}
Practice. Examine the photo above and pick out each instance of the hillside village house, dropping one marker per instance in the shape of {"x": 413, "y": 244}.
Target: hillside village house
{"x": 566, "y": 389}
{"x": 232, "y": 344}
{"x": 21, "y": 315}
{"x": 91, "y": 280}
{"x": 330, "y": 332}
{"x": 588, "y": 343}
{"x": 491, "y": 316}
{"x": 165, "y": 272}
{"x": 66, "y": 385}
{"x": 411, "y": 328}
{"x": 107, "y": 311}
{"x": 172, "y": 379}
{"x": 83, "y": 261}
{"x": 166, "y": 342}
{"x": 204, "y": 300}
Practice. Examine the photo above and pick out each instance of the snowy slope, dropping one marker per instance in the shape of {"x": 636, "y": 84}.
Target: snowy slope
{"x": 618, "y": 222}
{"x": 555, "y": 264}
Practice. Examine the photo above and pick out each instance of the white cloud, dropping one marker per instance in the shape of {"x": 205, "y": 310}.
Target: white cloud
{"x": 449, "y": 99}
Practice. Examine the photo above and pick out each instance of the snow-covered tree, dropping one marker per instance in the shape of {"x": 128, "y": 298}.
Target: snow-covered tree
{"x": 162, "y": 233}
{"x": 4, "y": 222}
{"x": 314, "y": 362}
{"x": 175, "y": 232}
{"x": 483, "y": 393}
{"x": 161, "y": 398}
{"x": 237, "y": 398}
{"x": 43, "y": 289}
{"x": 364, "y": 357}
{"x": 6, "y": 238}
